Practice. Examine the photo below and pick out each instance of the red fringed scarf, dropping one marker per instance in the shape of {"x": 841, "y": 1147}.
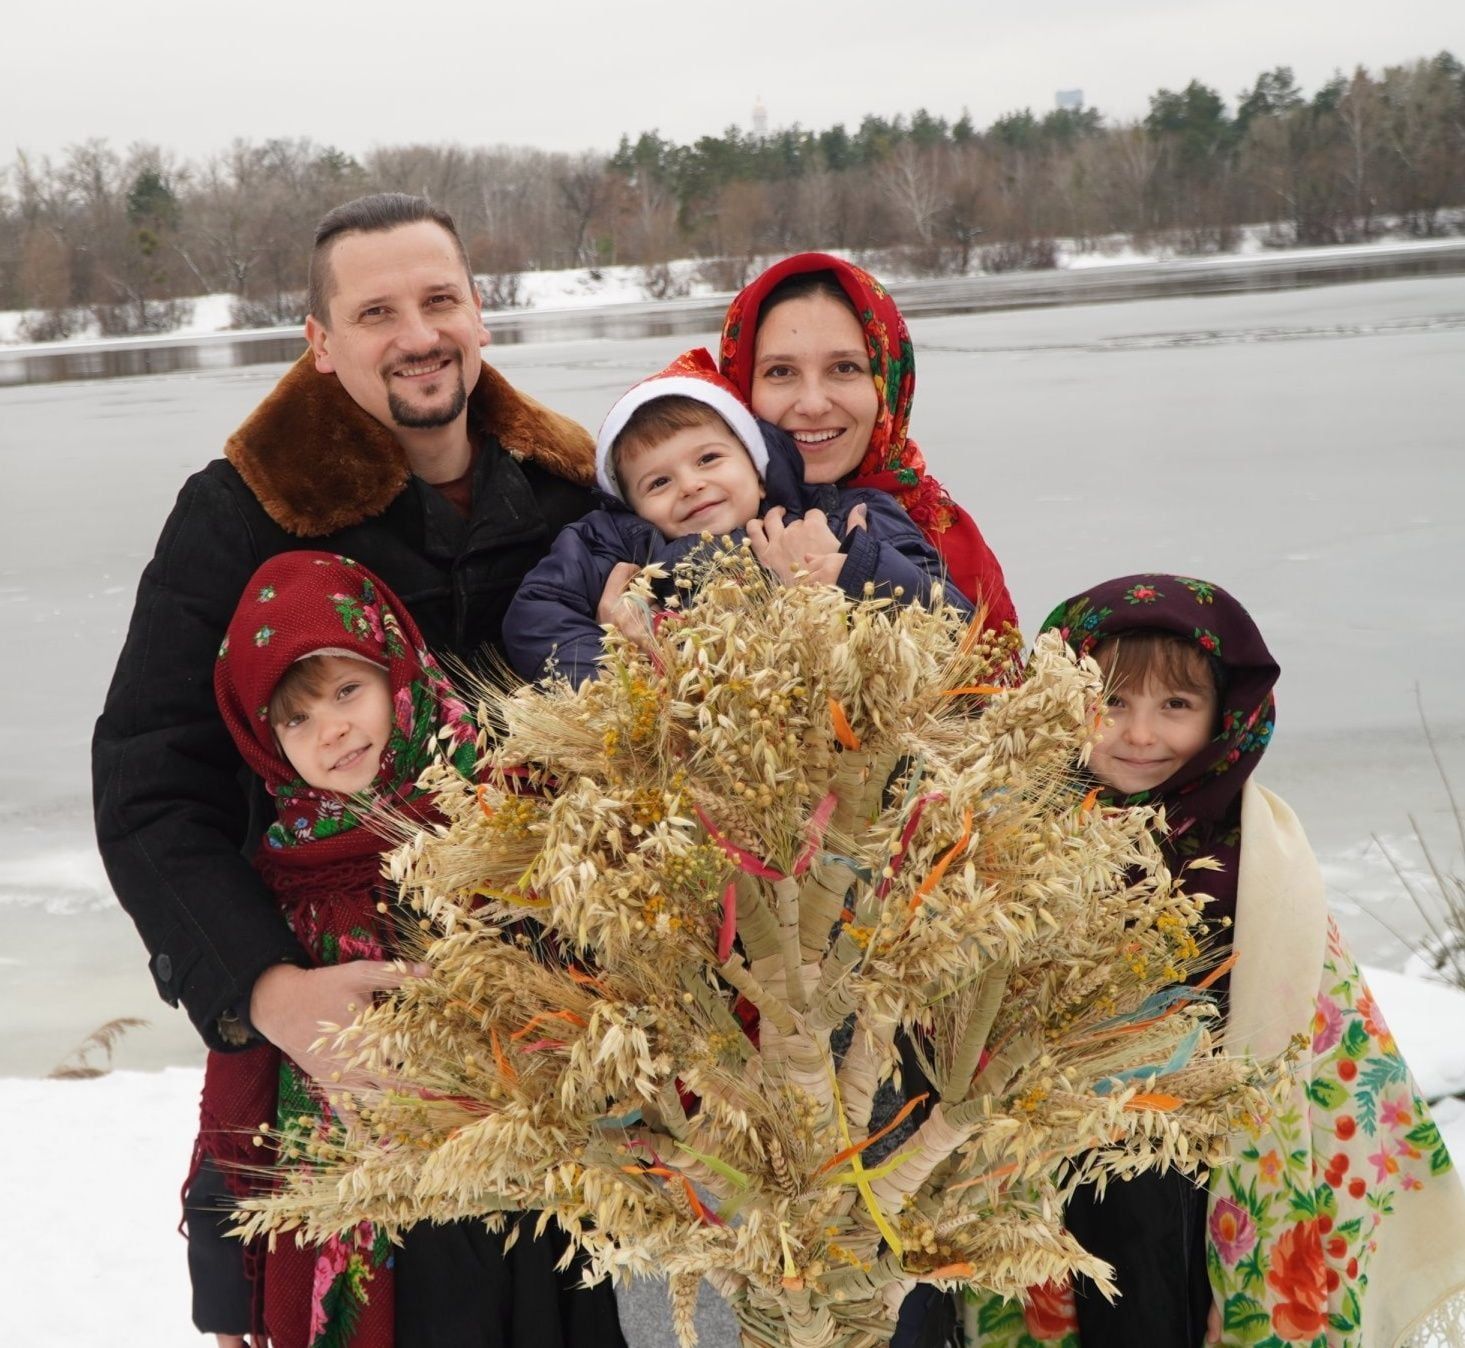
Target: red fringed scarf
{"x": 893, "y": 463}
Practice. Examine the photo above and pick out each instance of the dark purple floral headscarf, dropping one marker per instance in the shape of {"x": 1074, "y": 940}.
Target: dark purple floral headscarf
{"x": 1202, "y": 800}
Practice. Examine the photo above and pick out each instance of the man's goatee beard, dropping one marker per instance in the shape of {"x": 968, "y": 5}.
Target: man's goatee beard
{"x": 425, "y": 419}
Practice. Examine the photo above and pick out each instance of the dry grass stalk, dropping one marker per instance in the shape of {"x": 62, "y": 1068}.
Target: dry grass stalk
{"x": 795, "y": 769}
{"x": 78, "y": 1064}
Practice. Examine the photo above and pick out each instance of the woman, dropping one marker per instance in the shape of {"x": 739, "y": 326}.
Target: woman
{"x": 817, "y": 346}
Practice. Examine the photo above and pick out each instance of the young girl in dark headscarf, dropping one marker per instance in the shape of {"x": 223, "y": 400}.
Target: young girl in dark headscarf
{"x": 335, "y": 702}
{"x": 1340, "y": 1221}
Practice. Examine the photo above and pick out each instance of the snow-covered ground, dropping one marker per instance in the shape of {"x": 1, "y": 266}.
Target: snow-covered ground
{"x": 1301, "y": 448}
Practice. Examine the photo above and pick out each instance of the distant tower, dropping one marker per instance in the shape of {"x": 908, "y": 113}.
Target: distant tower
{"x": 1069, "y": 99}
{"x": 760, "y": 118}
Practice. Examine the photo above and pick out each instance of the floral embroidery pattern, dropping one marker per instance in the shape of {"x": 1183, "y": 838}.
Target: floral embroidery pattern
{"x": 1078, "y": 623}
{"x": 1295, "y": 1218}
{"x": 1142, "y": 594}
{"x": 1232, "y": 1231}
{"x": 1045, "y": 1318}
{"x": 364, "y": 617}
{"x": 1203, "y": 590}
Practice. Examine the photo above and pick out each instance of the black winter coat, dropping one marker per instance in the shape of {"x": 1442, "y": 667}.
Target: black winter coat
{"x": 177, "y": 815}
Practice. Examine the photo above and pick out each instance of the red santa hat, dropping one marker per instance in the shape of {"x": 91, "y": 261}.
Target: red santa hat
{"x": 693, "y": 375}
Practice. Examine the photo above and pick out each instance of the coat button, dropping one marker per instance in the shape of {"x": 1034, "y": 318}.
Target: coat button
{"x": 163, "y": 967}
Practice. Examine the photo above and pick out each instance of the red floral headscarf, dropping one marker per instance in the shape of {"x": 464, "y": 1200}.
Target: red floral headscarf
{"x": 304, "y": 603}
{"x": 893, "y": 462}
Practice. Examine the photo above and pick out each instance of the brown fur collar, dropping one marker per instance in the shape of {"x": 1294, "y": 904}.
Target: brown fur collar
{"x": 318, "y": 462}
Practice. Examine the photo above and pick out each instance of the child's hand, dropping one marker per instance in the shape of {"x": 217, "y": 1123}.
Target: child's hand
{"x": 618, "y": 609}
{"x": 804, "y": 552}
{"x": 1213, "y": 1324}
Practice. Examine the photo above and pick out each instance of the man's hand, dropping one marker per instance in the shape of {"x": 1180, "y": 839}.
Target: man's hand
{"x": 620, "y": 610}
{"x": 804, "y": 552}
{"x": 291, "y": 1007}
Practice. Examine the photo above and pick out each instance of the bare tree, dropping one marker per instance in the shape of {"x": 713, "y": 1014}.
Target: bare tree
{"x": 1358, "y": 113}
{"x": 911, "y": 179}
{"x": 45, "y": 286}
{"x": 584, "y": 191}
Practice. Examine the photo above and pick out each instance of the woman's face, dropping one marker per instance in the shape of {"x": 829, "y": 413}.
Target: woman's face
{"x": 811, "y": 378}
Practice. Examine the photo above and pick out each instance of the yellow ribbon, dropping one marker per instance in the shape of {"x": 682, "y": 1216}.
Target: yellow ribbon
{"x": 860, "y": 1177}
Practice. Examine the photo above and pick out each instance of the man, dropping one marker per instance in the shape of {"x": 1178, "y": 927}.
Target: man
{"x": 389, "y": 441}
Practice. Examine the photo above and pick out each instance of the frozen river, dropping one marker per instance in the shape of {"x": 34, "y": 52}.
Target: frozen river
{"x": 1302, "y": 448}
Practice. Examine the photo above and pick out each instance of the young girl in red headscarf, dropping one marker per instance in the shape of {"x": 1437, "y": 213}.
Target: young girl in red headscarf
{"x": 335, "y": 702}
{"x": 818, "y": 347}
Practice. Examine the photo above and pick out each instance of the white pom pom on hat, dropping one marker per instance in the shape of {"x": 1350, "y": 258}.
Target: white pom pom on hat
{"x": 693, "y": 375}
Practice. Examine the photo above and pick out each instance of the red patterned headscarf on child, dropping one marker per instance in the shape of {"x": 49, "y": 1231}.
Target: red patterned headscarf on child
{"x": 303, "y": 603}
{"x": 893, "y": 462}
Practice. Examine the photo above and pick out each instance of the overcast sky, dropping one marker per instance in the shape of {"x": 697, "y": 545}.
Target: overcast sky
{"x": 191, "y": 75}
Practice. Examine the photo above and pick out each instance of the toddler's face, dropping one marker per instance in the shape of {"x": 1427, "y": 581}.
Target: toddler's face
{"x": 335, "y": 738}
{"x": 698, "y": 480}
{"x": 1150, "y": 733}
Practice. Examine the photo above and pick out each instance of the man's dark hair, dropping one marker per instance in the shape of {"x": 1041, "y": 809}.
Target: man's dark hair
{"x": 370, "y": 215}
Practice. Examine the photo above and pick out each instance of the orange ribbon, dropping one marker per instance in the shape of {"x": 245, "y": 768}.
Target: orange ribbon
{"x": 939, "y": 869}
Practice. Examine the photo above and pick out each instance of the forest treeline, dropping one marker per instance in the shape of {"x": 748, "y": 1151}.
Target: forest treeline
{"x": 119, "y": 237}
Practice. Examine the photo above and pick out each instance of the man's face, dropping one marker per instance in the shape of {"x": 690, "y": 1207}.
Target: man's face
{"x": 405, "y": 326}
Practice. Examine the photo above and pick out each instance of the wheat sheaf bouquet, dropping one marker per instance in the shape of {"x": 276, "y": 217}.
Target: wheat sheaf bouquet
{"x": 680, "y": 938}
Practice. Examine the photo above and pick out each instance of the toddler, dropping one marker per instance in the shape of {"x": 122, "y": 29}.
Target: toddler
{"x": 678, "y": 457}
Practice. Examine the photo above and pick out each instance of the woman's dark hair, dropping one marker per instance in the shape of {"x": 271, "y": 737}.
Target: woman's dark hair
{"x": 800, "y": 286}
